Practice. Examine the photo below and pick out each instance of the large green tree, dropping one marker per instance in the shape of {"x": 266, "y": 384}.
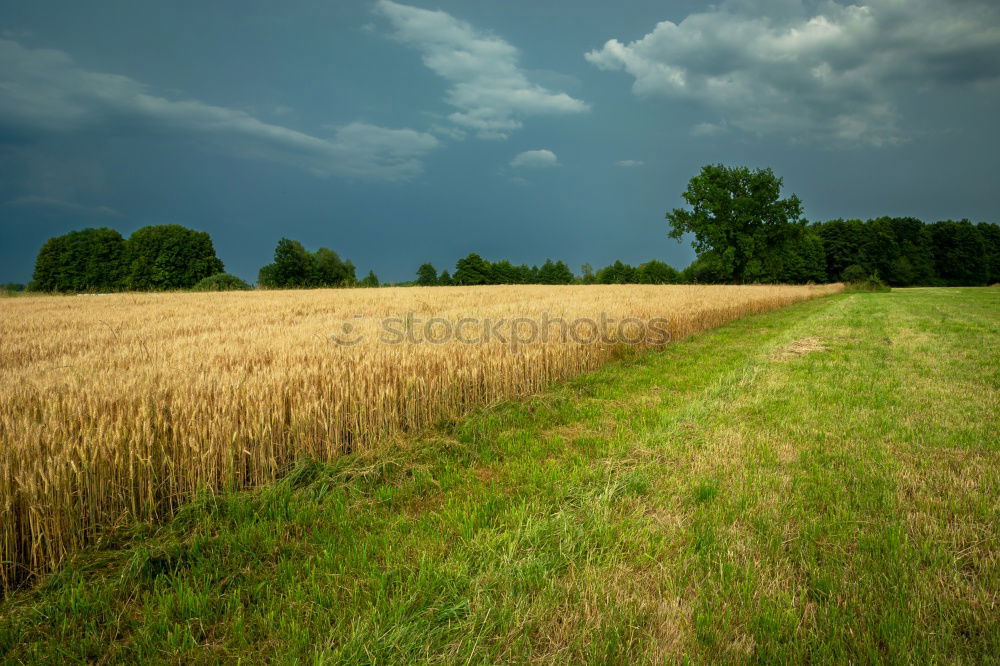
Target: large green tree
{"x": 504, "y": 272}
{"x": 330, "y": 271}
{"x": 427, "y": 275}
{"x": 555, "y": 272}
{"x": 168, "y": 256}
{"x": 657, "y": 272}
{"x": 293, "y": 266}
{"x": 618, "y": 273}
{"x": 85, "y": 260}
{"x": 738, "y": 216}
{"x": 296, "y": 267}
{"x": 472, "y": 270}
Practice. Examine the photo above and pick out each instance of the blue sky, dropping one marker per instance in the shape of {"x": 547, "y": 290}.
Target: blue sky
{"x": 398, "y": 133}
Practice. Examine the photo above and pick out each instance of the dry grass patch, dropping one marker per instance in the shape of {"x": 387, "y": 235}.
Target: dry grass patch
{"x": 798, "y": 348}
{"x": 660, "y": 619}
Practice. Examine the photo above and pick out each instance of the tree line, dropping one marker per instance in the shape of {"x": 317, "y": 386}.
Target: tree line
{"x": 170, "y": 257}
{"x": 474, "y": 270}
{"x": 901, "y": 251}
{"x": 744, "y": 232}
{"x": 296, "y": 267}
{"x": 157, "y": 257}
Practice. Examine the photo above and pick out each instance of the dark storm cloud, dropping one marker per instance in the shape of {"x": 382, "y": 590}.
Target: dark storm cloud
{"x": 341, "y": 124}
{"x": 813, "y": 71}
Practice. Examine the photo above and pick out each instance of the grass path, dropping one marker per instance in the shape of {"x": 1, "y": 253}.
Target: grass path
{"x": 727, "y": 499}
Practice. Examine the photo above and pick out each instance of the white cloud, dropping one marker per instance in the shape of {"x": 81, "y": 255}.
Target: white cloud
{"x": 535, "y": 159}
{"x": 827, "y": 72}
{"x": 629, "y": 164}
{"x": 488, "y": 89}
{"x": 452, "y": 133}
{"x": 379, "y": 153}
{"x": 44, "y": 90}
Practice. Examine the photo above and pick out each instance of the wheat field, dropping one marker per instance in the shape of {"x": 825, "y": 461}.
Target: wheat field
{"x": 115, "y": 408}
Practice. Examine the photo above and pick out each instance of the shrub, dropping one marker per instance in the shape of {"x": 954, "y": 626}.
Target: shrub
{"x": 870, "y": 283}
{"x": 854, "y": 273}
{"x": 221, "y": 282}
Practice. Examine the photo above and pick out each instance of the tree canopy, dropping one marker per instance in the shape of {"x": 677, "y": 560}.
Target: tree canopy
{"x": 168, "y": 256}
{"x": 471, "y": 270}
{"x": 157, "y": 257}
{"x": 657, "y": 272}
{"x": 739, "y": 220}
{"x": 960, "y": 252}
{"x": 554, "y": 272}
{"x": 294, "y": 266}
{"x": 85, "y": 260}
{"x": 427, "y": 275}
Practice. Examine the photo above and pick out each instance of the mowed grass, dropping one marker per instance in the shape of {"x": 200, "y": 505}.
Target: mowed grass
{"x": 817, "y": 483}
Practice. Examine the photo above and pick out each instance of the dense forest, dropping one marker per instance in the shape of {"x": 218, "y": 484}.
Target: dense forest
{"x": 902, "y": 251}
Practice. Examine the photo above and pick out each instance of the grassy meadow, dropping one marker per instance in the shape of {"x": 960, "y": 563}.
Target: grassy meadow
{"x": 818, "y": 483}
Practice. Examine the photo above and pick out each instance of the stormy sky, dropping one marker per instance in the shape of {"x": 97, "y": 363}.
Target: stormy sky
{"x": 398, "y": 133}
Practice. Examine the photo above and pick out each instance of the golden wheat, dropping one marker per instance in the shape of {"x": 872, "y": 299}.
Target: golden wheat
{"x": 116, "y": 407}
